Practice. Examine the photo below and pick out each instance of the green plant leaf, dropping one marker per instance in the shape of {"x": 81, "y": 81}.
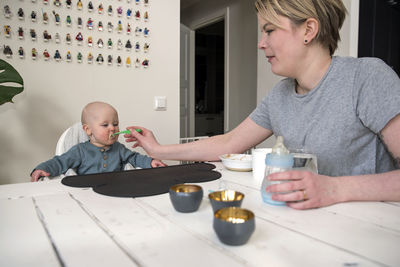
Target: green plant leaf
{"x": 9, "y": 75}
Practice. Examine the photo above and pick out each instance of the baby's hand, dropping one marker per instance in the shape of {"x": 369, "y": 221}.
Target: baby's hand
{"x": 37, "y": 174}
{"x": 157, "y": 163}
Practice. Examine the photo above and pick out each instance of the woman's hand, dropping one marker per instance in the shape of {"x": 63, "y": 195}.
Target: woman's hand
{"x": 144, "y": 139}
{"x": 304, "y": 189}
{"x": 37, "y": 174}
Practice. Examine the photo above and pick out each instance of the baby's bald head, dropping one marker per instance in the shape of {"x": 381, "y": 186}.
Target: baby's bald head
{"x": 95, "y": 109}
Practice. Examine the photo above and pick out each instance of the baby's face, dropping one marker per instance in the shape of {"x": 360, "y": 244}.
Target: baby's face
{"x": 103, "y": 126}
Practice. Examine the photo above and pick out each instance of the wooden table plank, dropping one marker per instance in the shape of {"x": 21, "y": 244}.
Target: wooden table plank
{"x": 382, "y": 214}
{"x": 23, "y": 240}
{"x": 78, "y": 238}
{"x": 153, "y": 239}
{"x": 48, "y": 187}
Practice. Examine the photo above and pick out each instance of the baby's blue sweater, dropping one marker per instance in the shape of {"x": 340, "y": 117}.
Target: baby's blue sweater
{"x": 86, "y": 158}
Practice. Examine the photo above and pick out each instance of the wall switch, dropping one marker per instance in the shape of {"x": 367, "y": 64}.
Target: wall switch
{"x": 160, "y": 103}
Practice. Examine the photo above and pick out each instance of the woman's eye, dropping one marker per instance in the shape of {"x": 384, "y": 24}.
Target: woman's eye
{"x": 268, "y": 32}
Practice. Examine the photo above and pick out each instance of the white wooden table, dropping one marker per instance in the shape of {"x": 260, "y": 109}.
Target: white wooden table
{"x": 49, "y": 224}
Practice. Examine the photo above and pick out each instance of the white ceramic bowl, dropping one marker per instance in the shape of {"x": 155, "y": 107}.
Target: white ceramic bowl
{"x": 237, "y": 162}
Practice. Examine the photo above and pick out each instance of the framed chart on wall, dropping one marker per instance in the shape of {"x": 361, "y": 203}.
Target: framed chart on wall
{"x": 99, "y": 32}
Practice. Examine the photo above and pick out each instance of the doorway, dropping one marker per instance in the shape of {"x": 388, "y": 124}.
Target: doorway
{"x": 210, "y": 79}
{"x": 379, "y": 31}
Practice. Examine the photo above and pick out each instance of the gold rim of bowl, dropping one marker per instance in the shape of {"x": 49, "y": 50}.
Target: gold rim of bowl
{"x": 185, "y": 188}
{"x": 234, "y": 215}
{"x": 226, "y": 195}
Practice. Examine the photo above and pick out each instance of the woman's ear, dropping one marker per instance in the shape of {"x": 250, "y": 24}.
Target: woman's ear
{"x": 311, "y": 30}
{"x": 87, "y": 130}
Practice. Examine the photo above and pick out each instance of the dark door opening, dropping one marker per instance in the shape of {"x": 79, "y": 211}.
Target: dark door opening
{"x": 379, "y": 31}
{"x": 209, "y": 79}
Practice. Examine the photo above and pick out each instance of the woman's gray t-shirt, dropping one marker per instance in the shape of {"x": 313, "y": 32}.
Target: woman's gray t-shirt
{"x": 340, "y": 119}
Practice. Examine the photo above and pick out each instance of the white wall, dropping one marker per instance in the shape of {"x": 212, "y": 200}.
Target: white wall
{"x": 241, "y": 29}
{"x": 347, "y": 47}
{"x": 55, "y": 92}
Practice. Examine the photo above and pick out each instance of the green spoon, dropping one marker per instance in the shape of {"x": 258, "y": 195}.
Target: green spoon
{"x": 126, "y": 132}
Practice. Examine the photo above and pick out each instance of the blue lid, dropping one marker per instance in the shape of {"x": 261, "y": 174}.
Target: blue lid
{"x": 282, "y": 161}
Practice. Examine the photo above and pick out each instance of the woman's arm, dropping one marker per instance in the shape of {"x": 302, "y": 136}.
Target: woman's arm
{"x": 323, "y": 191}
{"x": 380, "y": 187}
{"x": 310, "y": 190}
{"x": 246, "y": 135}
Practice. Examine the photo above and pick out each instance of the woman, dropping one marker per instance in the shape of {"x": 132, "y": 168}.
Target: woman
{"x": 346, "y": 110}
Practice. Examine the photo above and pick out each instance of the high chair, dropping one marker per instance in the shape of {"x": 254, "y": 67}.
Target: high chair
{"x": 70, "y": 137}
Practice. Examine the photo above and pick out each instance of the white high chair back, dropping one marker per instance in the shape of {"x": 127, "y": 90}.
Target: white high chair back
{"x": 70, "y": 137}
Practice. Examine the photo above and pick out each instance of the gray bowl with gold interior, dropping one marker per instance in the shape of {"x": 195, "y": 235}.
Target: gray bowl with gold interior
{"x": 225, "y": 198}
{"x": 234, "y": 225}
{"x": 186, "y": 197}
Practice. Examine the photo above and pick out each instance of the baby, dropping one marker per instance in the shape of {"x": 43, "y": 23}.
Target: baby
{"x": 102, "y": 153}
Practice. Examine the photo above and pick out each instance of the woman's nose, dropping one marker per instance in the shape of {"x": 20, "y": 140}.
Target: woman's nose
{"x": 261, "y": 43}
{"x": 264, "y": 41}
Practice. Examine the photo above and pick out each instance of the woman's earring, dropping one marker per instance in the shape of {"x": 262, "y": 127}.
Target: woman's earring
{"x": 305, "y": 41}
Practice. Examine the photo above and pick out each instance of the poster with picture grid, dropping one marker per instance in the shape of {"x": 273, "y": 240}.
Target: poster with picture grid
{"x": 111, "y": 33}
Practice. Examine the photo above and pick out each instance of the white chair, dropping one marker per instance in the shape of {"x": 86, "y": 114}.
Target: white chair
{"x": 70, "y": 137}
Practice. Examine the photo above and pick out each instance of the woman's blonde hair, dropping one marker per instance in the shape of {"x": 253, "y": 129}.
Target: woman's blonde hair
{"x": 330, "y": 15}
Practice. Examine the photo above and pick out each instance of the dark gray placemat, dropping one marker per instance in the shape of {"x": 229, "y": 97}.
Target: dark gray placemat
{"x": 144, "y": 182}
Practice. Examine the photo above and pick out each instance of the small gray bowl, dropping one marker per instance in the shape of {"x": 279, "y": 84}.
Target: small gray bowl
{"x": 234, "y": 225}
{"x": 186, "y": 197}
{"x": 225, "y": 198}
